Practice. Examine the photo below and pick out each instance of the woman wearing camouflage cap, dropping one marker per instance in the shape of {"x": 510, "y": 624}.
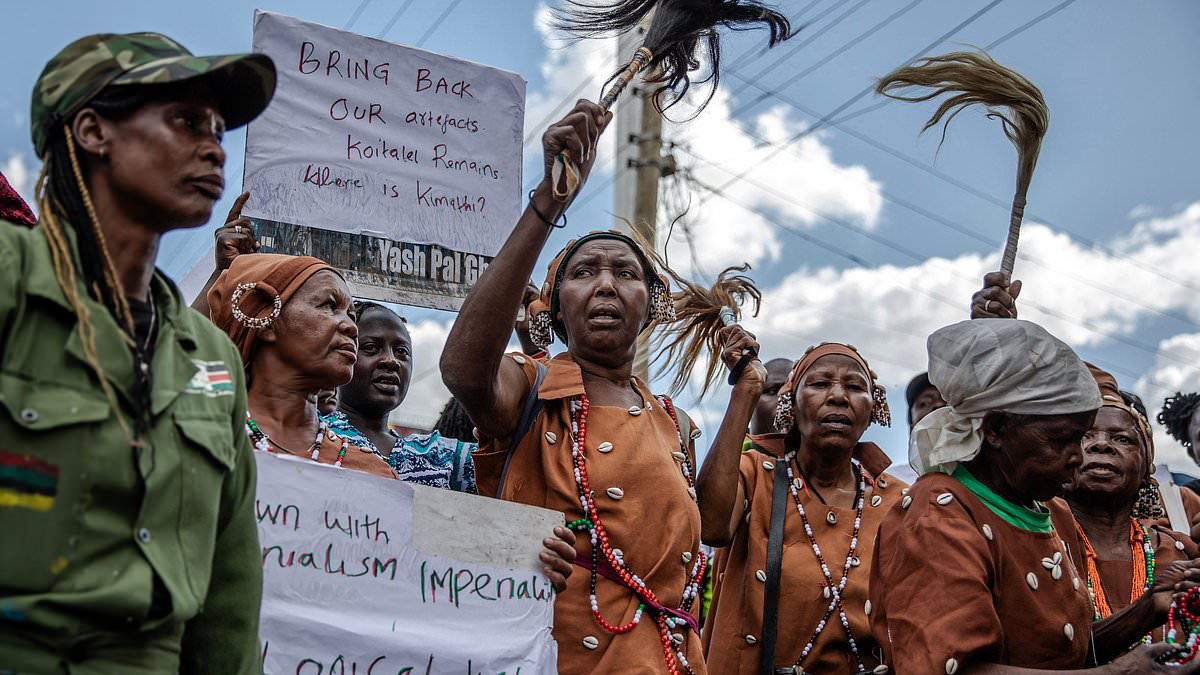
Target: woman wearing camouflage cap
{"x": 126, "y": 480}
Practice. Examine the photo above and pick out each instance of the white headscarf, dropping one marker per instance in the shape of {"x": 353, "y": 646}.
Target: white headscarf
{"x": 1002, "y": 365}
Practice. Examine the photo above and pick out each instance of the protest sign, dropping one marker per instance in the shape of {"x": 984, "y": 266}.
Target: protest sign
{"x": 367, "y": 575}
{"x": 399, "y": 167}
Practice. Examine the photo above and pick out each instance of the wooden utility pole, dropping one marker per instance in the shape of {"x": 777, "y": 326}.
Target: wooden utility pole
{"x": 639, "y": 167}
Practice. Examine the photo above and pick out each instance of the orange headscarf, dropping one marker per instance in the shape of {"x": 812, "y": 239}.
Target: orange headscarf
{"x": 250, "y": 294}
{"x": 543, "y": 325}
{"x": 880, "y": 413}
{"x": 1110, "y": 397}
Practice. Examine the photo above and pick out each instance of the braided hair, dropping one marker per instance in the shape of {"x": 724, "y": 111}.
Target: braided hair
{"x": 1176, "y": 416}
{"x": 454, "y": 422}
{"x": 64, "y": 202}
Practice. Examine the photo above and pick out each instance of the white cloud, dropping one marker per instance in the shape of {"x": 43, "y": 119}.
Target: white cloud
{"x": 426, "y": 393}
{"x": 790, "y": 186}
{"x": 568, "y": 63}
{"x": 887, "y": 311}
{"x": 19, "y": 175}
{"x": 1164, "y": 378}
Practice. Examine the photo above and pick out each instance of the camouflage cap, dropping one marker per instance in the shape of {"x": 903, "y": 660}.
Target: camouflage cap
{"x": 244, "y": 82}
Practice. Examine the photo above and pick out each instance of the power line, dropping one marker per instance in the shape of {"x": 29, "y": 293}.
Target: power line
{"x": 395, "y": 17}
{"x": 989, "y": 47}
{"x": 795, "y": 49}
{"x": 830, "y": 56}
{"x": 437, "y": 23}
{"x": 746, "y": 58}
{"x": 918, "y": 257}
{"x": 357, "y": 13}
{"x": 990, "y": 198}
{"x": 567, "y": 100}
{"x": 1027, "y": 25}
{"x": 931, "y": 294}
{"x": 778, "y": 148}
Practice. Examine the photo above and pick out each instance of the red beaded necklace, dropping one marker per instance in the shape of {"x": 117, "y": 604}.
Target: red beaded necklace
{"x": 598, "y": 534}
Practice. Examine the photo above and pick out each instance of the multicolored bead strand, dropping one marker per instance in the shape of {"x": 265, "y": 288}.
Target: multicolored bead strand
{"x": 835, "y": 601}
{"x": 1183, "y": 617}
{"x": 600, "y": 545}
{"x": 262, "y": 442}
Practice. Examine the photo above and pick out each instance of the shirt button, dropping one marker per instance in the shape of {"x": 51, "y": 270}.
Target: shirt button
{"x": 29, "y": 415}
{"x": 143, "y": 535}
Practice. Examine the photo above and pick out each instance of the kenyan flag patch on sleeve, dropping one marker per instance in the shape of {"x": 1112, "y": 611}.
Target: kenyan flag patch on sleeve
{"x": 212, "y": 379}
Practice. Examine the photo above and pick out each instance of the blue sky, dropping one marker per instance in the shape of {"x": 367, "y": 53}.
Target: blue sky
{"x": 1117, "y": 168}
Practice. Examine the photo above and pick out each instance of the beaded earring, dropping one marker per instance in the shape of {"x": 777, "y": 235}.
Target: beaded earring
{"x": 541, "y": 330}
{"x": 880, "y": 412}
{"x": 662, "y": 307}
{"x": 251, "y": 322}
{"x": 1148, "y": 504}
{"x": 783, "y": 413}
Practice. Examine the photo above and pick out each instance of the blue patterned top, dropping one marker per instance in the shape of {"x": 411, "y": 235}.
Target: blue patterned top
{"x": 427, "y": 459}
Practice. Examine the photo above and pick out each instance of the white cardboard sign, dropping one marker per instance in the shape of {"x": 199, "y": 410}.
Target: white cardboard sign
{"x": 372, "y": 576}
{"x": 398, "y": 166}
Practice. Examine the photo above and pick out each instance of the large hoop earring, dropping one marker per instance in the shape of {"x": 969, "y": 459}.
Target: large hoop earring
{"x": 251, "y": 322}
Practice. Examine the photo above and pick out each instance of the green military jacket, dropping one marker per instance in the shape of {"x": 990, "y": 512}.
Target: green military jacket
{"x": 87, "y": 521}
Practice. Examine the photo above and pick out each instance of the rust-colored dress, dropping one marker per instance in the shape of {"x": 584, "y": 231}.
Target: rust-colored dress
{"x": 731, "y": 634}
{"x": 1116, "y": 576}
{"x": 653, "y": 518}
{"x": 356, "y": 459}
{"x": 955, "y": 583}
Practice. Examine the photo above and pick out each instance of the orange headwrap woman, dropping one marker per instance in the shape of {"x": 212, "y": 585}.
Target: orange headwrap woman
{"x": 289, "y": 317}
{"x": 797, "y": 514}
{"x": 582, "y": 435}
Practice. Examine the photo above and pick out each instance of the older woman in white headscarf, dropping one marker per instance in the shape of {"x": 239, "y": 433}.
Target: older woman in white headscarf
{"x": 970, "y": 574}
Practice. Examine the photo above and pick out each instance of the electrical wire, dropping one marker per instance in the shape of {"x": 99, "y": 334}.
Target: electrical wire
{"x": 395, "y": 17}
{"x": 437, "y": 23}
{"x": 357, "y": 13}
{"x": 919, "y": 257}
{"x": 847, "y": 46}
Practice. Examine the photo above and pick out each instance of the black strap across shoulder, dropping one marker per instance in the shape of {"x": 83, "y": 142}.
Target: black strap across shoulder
{"x": 529, "y": 412}
{"x": 774, "y": 563}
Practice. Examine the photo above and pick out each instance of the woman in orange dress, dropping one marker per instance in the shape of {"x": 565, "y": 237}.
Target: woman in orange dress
{"x": 584, "y": 436}
{"x": 807, "y": 608}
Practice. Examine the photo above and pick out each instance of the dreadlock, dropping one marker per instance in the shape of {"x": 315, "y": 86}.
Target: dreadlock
{"x": 454, "y": 422}
{"x": 64, "y": 201}
{"x": 1176, "y": 416}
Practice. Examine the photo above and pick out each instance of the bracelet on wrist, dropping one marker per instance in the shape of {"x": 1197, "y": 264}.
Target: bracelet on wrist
{"x": 542, "y": 216}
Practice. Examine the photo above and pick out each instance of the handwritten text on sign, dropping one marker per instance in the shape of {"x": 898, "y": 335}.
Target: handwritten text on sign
{"x": 368, "y": 575}
{"x": 373, "y": 139}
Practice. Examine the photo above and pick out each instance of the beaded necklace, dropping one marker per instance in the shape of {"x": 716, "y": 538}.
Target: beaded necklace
{"x": 598, "y": 536}
{"x": 1143, "y": 569}
{"x": 834, "y": 591}
{"x": 1183, "y": 615}
{"x": 264, "y": 443}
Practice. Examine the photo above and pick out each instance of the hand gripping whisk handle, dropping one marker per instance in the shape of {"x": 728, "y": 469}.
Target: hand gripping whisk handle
{"x": 729, "y": 318}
